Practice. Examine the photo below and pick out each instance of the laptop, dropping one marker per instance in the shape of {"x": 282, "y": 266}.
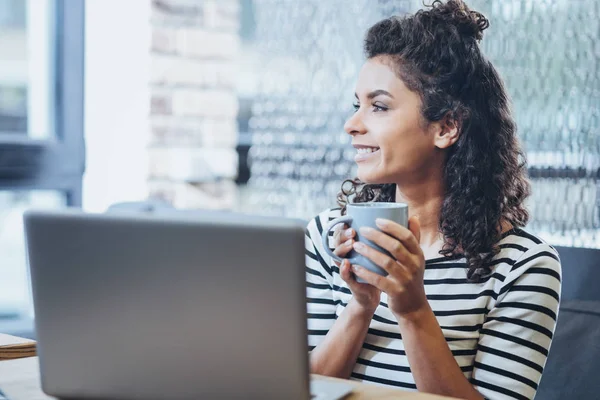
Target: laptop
{"x": 177, "y": 306}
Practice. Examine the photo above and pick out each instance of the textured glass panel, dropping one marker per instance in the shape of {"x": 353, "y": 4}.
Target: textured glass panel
{"x": 548, "y": 54}
{"x": 311, "y": 52}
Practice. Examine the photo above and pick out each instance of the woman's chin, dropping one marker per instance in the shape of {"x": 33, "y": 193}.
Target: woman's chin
{"x": 371, "y": 177}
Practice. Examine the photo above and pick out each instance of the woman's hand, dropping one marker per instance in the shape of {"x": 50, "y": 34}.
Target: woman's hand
{"x": 404, "y": 284}
{"x": 366, "y": 296}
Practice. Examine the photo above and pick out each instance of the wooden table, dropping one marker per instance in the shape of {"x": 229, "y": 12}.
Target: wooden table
{"x": 20, "y": 380}
{"x": 364, "y": 391}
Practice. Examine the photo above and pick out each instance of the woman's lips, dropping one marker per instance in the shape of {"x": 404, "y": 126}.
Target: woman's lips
{"x": 365, "y": 156}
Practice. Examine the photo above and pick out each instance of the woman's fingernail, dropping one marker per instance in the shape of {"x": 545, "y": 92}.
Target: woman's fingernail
{"x": 348, "y": 242}
{"x": 358, "y": 245}
{"x": 382, "y": 223}
{"x": 356, "y": 268}
{"x": 348, "y": 233}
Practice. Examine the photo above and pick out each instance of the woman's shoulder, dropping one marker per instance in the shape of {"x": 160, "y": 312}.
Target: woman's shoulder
{"x": 519, "y": 241}
{"x": 522, "y": 250}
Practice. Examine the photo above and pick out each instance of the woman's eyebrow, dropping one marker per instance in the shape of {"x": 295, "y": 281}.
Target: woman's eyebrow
{"x": 376, "y": 93}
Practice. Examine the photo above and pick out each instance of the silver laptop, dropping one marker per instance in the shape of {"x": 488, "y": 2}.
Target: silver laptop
{"x": 201, "y": 306}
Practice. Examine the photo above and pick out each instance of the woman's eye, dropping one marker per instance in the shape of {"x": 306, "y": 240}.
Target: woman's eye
{"x": 378, "y": 108}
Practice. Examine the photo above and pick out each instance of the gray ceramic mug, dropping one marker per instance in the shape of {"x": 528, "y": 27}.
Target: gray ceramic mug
{"x": 364, "y": 215}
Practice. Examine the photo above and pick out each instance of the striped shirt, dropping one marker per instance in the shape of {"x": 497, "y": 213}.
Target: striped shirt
{"x": 499, "y": 330}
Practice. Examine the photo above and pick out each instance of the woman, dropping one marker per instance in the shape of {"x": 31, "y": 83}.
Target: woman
{"x": 470, "y": 303}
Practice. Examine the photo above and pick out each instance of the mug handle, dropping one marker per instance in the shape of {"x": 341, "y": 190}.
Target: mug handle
{"x": 325, "y": 235}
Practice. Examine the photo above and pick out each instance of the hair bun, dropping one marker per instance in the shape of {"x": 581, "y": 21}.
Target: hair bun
{"x": 456, "y": 12}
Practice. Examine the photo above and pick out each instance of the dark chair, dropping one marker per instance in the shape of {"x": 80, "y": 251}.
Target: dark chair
{"x": 581, "y": 273}
{"x": 572, "y": 369}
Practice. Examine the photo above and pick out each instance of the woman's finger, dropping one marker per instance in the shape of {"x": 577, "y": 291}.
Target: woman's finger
{"x": 348, "y": 276}
{"x": 380, "y": 282}
{"x": 390, "y": 265}
{"x": 342, "y": 234}
{"x": 337, "y": 233}
{"x": 391, "y": 244}
{"x": 344, "y": 248}
{"x": 345, "y": 272}
{"x": 401, "y": 233}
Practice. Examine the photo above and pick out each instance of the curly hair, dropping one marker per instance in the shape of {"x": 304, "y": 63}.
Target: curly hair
{"x": 436, "y": 54}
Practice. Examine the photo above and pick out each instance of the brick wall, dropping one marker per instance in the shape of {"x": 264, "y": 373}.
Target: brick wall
{"x": 193, "y": 105}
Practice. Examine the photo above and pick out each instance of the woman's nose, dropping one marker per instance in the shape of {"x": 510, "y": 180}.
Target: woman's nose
{"x": 354, "y": 125}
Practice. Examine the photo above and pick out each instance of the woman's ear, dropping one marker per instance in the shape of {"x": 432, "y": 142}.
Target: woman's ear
{"x": 446, "y": 132}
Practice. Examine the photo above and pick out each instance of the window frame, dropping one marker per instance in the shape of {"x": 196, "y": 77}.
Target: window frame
{"x": 57, "y": 163}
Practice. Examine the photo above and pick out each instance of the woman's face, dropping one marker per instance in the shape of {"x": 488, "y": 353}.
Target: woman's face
{"x": 394, "y": 143}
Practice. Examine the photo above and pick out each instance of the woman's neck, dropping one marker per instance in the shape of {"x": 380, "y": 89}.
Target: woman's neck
{"x": 425, "y": 201}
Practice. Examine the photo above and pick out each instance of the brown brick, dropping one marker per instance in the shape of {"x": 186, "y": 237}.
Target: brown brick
{"x": 173, "y": 131}
{"x": 175, "y": 70}
{"x": 222, "y": 15}
{"x": 178, "y": 71}
{"x": 177, "y": 13}
{"x": 162, "y": 192}
{"x": 161, "y": 104}
{"x": 229, "y": 7}
{"x": 193, "y": 129}
{"x": 205, "y": 103}
{"x": 220, "y": 133}
{"x": 192, "y": 164}
{"x": 164, "y": 40}
{"x": 205, "y": 44}
{"x": 193, "y": 132}
{"x": 226, "y": 74}
{"x": 217, "y": 195}
{"x": 159, "y": 134}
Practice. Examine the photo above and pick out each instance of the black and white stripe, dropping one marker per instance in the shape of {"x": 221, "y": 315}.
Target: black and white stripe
{"x": 499, "y": 331}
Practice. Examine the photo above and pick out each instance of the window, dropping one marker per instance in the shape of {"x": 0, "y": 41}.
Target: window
{"x": 41, "y": 130}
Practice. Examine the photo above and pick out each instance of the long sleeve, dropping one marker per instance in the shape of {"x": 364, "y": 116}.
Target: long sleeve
{"x": 321, "y": 307}
{"x": 517, "y": 333}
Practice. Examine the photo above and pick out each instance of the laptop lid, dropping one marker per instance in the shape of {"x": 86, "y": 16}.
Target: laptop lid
{"x": 135, "y": 306}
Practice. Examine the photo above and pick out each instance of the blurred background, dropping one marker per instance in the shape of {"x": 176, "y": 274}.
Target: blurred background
{"x": 239, "y": 105}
